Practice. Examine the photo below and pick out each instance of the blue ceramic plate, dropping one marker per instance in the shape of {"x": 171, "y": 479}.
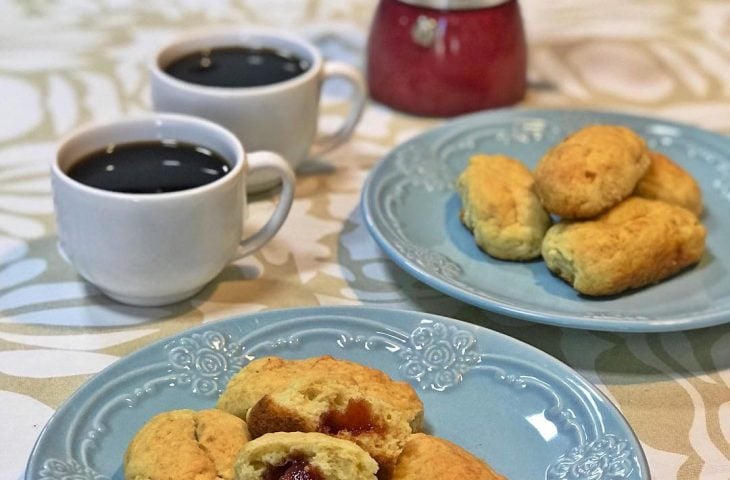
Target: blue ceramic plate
{"x": 412, "y": 209}
{"x": 529, "y": 415}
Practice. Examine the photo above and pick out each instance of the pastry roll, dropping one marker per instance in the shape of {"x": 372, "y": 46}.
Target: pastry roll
{"x": 590, "y": 171}
{"x": 638, "y": 242}
{"x": 500, "y": 207}
{"x": 667, "y": 181}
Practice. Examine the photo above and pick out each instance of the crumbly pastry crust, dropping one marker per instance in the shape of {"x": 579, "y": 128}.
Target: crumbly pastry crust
{"x": 667, "y": 181}
{"x": 271, "y": 374}
{"x": 637, "y": 243}
{"x": 426, "y": 456}
{"x": 186, "y": 445}
{"x": 334, "y": 458}
{"x": 500, "y": 207}
{"x": 297, "y": 395}
{"x": 305, "y": 405}
{"x": 591, "y": 170}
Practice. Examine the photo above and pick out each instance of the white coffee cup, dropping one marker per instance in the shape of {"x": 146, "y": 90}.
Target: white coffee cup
{"x": 160, "y": 248}
{"x": 281, "y": 117}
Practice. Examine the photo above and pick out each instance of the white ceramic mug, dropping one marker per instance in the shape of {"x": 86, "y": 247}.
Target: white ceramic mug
{"x": 280, "y": 117}
{"x": 160, "y": 248}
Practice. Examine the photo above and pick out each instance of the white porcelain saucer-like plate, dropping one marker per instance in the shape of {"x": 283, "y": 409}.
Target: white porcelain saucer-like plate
{"x": 528, "y": 415}
{"x": 412, "y": 209}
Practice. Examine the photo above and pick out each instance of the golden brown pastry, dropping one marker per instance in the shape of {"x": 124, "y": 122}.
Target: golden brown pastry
{"x": 271, "y": 374}
{"x": 337, "y": 406}
{"x": 501, "y": 208}
{"x": 324, "y": 394}
{"x": 638, "y": 242}
{"x": 667, "y": 181}
{"x": 186, "y": 445}
{"x": 426, "y": 457}
{"x": 591, "y": 171}
{"x": 303, "y": 456}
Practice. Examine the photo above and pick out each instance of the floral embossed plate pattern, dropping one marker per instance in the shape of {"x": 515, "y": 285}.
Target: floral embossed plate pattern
{"x": 411, "y": 208}
{"x": 529, "y": 415}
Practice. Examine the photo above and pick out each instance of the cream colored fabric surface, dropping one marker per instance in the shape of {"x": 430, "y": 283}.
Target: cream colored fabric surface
{"x": 66, "y": 62}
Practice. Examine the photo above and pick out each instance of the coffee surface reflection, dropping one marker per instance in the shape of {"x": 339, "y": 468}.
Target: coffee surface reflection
{"x": 149, "y": 167}
{"x": 237, "y": 67}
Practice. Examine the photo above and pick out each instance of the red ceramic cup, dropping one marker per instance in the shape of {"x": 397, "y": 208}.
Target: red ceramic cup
{"x": 446, "y": 57}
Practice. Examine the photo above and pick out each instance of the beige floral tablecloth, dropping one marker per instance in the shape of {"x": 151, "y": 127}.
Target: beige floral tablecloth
{"x": 65, "y": 62}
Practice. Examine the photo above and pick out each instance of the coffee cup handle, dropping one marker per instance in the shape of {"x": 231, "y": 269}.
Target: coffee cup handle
{"x": 264, "y": 160}
{"x": 332, "y": 69}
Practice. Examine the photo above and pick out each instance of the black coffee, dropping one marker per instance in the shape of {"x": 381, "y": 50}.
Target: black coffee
{"x": 237, "y": 67}
{"x": 149, "y": 167}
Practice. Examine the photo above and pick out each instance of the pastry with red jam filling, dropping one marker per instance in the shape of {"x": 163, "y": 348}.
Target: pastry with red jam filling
{"x": 335, "y": 397}
{"x": 303, "y": 456}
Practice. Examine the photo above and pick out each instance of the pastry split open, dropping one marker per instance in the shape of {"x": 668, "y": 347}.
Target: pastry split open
{"x": 303, "y": 456}
{"x": 335, "y": 397}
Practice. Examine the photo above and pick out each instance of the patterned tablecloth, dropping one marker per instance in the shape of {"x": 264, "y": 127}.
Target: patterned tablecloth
{"x": 65, "y": 62}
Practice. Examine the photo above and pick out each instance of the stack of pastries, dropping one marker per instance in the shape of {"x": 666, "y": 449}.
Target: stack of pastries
{"x": 627, "y": 216}
{"x": 313, "y": 419}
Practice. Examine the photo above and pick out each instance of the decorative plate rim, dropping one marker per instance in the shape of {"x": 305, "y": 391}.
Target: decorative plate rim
{"x": 553, "y": 368}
